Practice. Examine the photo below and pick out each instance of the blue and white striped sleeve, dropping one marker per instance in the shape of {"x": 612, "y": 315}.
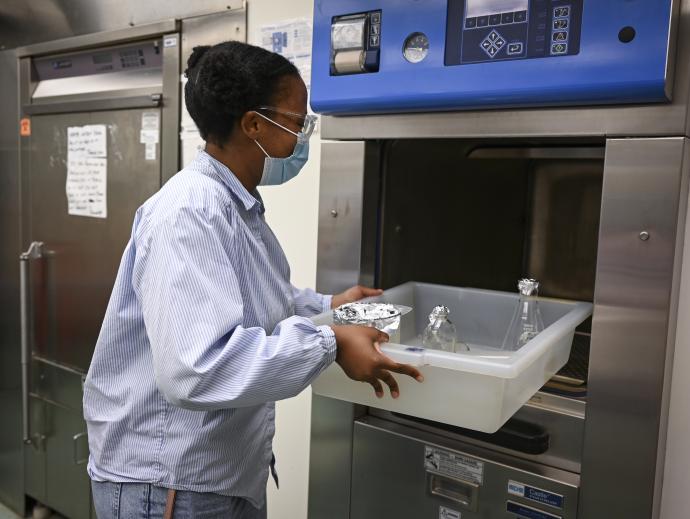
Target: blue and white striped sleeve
{"x": 309, "y": 303}
{"x": 192, "y": 305}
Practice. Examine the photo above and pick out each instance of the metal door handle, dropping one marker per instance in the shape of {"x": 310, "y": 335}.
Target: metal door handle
{"x": 75, "y": 440}
{"x": 463, "y": 493}
{"x": 35, "y": 251}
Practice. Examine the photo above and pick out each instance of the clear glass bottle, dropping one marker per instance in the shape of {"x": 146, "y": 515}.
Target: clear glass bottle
{"x": 527, "y": 321}
{"x": 440, "y": 333}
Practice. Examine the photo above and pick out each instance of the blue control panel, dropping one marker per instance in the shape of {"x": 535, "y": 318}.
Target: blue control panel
{"x": 494, "y": 30}
{"x": 433, "y": 55}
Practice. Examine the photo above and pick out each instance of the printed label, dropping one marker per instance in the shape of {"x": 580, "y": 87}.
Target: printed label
{"x": 453, "y": 465}
{"x": 448, "y": 513}
{"x": 527, "y": 512}
{"x": 25, "y": 127}
{"x": 537, "y": 495}
{"x": 170, "y": 41}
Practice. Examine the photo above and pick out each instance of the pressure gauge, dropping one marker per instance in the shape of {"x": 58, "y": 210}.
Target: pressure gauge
{"x": 416, "y": 47}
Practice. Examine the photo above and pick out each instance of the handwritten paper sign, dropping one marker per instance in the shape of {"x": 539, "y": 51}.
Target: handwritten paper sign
{"x": 87, "y": 164}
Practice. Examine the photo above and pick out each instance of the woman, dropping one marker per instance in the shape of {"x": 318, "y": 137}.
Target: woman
{"x": 204, "y": 331}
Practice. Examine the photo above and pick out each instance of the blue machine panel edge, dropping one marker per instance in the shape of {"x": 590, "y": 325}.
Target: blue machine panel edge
{"x": 597, "y": 68}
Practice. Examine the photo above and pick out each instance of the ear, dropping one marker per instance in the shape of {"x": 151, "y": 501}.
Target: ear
{"x": 251, "y": 125}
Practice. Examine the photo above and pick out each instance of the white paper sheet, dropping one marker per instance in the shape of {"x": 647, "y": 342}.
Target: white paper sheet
{"x": 87, "y": 186}
{"x": 150, "y": 151}
{"x": 292, "y": 39}
{"x": 87, "y": 177}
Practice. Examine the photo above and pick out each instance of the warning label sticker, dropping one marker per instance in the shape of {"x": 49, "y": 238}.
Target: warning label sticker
{"x": 453, "y": 465}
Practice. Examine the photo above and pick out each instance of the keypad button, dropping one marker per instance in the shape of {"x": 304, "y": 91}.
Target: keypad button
{"x": 375, "y": 28}
{"x": 499, "y": 43}
{"x": 514, "y": 49}
{"x": 560, "y": 36}
{"x": 559, "y": 48}
{"x": 376, "y": 17}
{"x": 495, "y": 19}
{"x": 561, "y": 12}
{"x": 483, "y": 21}
{"x": 470, "y": 23}
{"x": 561, "y": 23}
{"x": 520, "y": 16}
{"x": 507, "y": 18}
{"x": 374, "y": 40}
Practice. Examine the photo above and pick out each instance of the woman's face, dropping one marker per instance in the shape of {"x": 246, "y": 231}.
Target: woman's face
{"x": 292, "y": 97}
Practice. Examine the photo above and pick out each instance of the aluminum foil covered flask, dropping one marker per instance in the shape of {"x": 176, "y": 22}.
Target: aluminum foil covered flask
{"x": 527, "y": 321}
{"x": 440, "y": 333}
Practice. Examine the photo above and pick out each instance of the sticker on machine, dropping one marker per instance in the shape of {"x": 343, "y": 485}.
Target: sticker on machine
{"x": 448, "y": 513}
{"x": 453, "y": 465}
{"x": 537, "y": 495}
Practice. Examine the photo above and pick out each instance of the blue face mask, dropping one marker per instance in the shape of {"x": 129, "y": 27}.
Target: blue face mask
{"x": 279, "y": 170}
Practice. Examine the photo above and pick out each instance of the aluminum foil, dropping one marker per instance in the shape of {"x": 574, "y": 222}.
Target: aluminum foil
{"x": 382, "y": 316}
{"x": 528, "y": 287}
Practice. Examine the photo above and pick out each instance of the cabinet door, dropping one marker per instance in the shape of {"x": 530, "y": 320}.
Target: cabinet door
{"x": 68, "y": 488}
{"x": 73, "y": 282}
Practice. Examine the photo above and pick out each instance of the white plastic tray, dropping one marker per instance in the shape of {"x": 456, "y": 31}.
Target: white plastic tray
{"x": 480, "y": 389}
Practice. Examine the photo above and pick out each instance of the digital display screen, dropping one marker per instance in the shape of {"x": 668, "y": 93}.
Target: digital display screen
{"x": 477, "y": 8}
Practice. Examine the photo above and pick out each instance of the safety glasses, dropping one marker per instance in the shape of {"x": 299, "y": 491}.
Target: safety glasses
{"x": 306, "y": 121}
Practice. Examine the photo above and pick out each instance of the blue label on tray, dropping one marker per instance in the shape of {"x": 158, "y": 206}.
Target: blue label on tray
{"x": 537, "y": 495}
{"x": 527, "y": 512}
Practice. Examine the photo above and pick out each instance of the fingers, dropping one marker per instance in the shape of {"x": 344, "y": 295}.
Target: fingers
{"x": 381, "y": 336}
{"x": 378, "y": 388}
{"x": 370, "y": 292}
{"x": 390, "y": 382}
{"x": 403, "y": 369}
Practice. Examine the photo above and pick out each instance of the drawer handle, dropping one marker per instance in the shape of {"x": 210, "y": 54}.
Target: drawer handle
{"x": 75, "y": 449}
{"x": 463, "y": 493}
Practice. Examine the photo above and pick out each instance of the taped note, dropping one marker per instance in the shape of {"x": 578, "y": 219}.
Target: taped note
{"x": 87, "y": 186}
{"x": 87, "y": 171}
{"x": 150, "y": 153}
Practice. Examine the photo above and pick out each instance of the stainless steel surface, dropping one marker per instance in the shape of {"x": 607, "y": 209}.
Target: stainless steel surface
{"x": 330, "y": 460}
{"x": 23, "y": 22}
{"x": 11, "y": 446}
{"x": 98, "y": 86}
{"x": 536, "y": 153}
{"x": 34, "y": 252}
{"x": 562, "y": 418}
{"x": 644, "y": 183}
{"x": 340, "y": 239}
{"x": 131, "y": 99}
{"x": 390, "y": 479}
{"x": 169, "y": 147}
{"x": 92, "y": 36}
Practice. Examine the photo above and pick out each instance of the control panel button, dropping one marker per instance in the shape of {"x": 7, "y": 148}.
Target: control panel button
{"x": 374, "y": 40}
{"x": 375, "y": 28}
{"x": 483, "y": 21}
{"x": 561, "y": 12}
{"x": 560, "y": 36}
{"x": 514, "y": 49}
{"x": 559, "y": 48}
{"x": 495, "y": 19}
{"x": 470, "y": 23}
{"x": 561, "y": 23}
{"x": 520, "y": 16}
{"x": 492, "y": 44}
{"x": 507, "y": 18}
{"x": 376, "y": 17}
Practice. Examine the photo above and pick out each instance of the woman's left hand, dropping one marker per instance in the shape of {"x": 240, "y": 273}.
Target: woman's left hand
{"x": 354, "y": 294}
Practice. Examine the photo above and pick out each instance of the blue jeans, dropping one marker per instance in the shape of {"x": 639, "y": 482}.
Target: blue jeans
{"x": 146, "y": 501}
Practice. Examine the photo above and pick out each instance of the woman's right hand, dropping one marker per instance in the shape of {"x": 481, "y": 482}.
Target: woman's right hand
{"x": 360, "y": 356}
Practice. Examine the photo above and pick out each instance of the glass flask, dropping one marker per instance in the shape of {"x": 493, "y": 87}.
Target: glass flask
{"x": 527, "y": 322}
{"x": 440, "y": 333}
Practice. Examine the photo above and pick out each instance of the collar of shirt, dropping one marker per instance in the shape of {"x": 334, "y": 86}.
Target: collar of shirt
{"x": 221, "y": 172}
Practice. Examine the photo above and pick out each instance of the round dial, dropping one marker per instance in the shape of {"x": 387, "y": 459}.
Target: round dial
{"x": 416, "y": 47}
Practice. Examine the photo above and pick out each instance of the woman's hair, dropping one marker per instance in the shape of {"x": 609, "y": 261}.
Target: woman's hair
{"x": 228, "y": 79}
